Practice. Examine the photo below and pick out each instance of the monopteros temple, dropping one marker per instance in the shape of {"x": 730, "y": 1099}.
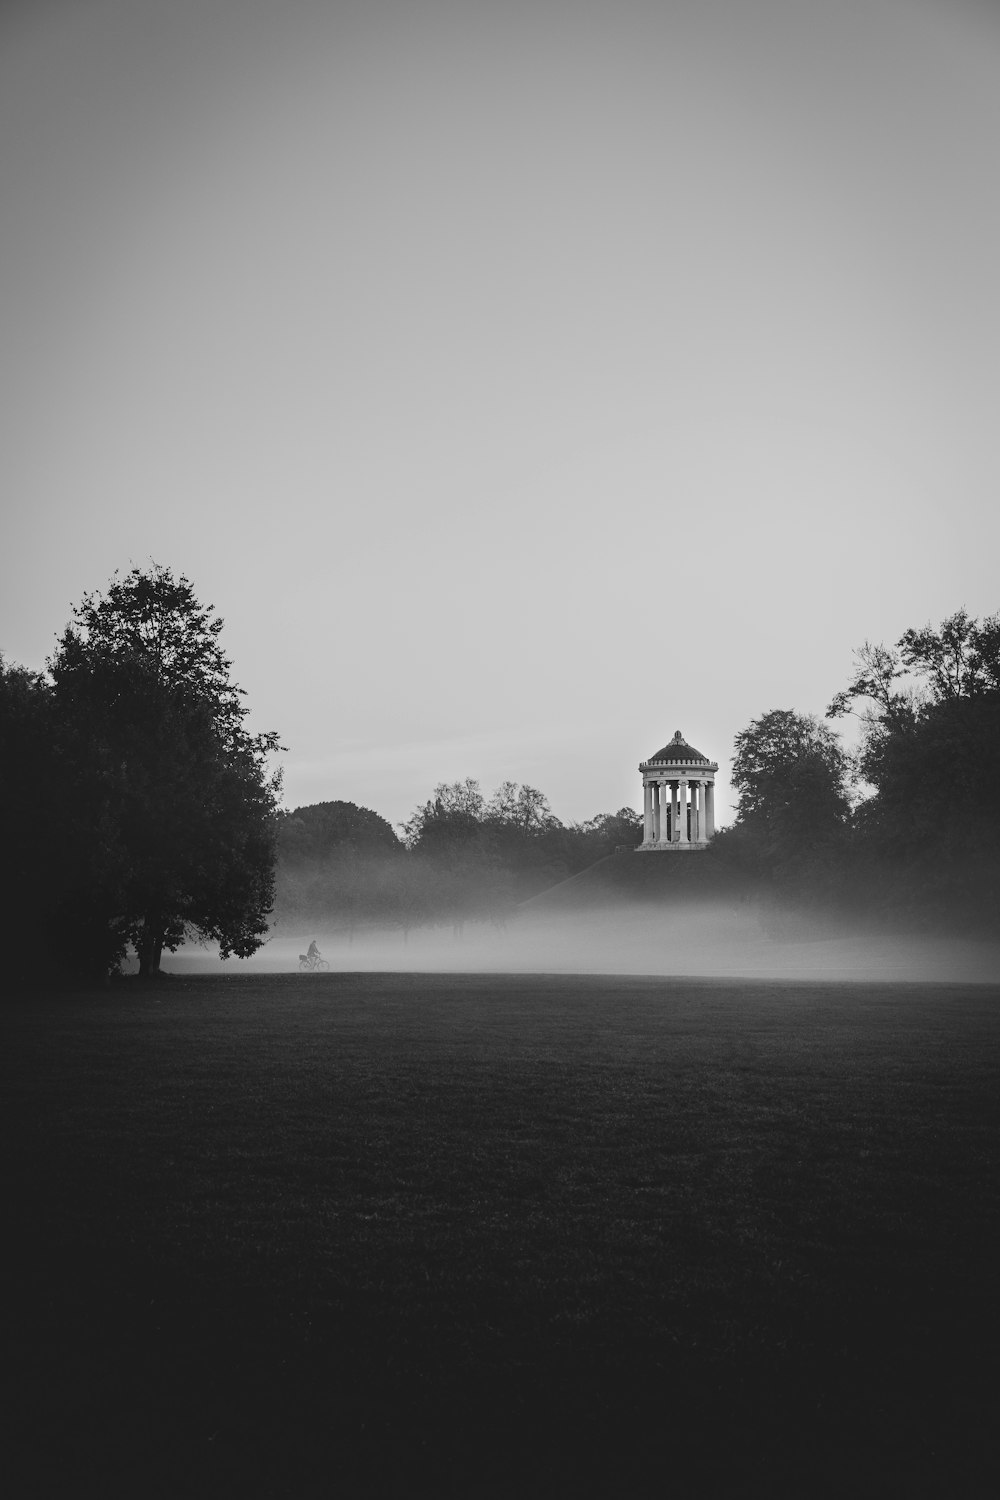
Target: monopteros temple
{"x": 678, "y": 784}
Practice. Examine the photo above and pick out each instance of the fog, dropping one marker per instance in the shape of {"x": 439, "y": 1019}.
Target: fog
{"x": 703, "y": 940}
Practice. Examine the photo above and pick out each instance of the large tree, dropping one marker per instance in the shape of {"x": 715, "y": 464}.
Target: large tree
{"x": 327, "y": 830}
{"x": 930, "y": 716}
{"x": 453, "y": 817}
{"x": 792, "y": 779}
{"x": 180, "y": 791}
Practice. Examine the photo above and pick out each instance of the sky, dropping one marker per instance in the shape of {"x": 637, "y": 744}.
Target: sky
{"x": 521, "y": 382}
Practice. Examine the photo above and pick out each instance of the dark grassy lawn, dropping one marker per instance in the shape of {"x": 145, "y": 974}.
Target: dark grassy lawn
{"x": 502, "y": 1236}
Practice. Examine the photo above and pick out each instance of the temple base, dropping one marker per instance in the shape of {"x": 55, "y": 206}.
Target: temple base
{"x": 691, "y": 844}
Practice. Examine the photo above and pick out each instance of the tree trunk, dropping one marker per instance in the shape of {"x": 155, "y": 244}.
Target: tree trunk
{"x": 150, "y": 947}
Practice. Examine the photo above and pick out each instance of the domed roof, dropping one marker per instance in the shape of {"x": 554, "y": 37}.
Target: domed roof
{"x": 679, "y": 750}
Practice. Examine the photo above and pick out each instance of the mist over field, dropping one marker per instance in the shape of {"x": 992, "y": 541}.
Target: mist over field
{"x": 703, "y": 940}
{"x": 702, "y": 914}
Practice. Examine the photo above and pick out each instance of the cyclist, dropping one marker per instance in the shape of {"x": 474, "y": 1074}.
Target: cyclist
{"x": 312, "y": 952}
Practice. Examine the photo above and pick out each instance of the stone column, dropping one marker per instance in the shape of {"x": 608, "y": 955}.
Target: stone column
{"x": 647, "y": 813}
{"x": 696, "y": 812}
{"x": 664, "y": 791}
{"x": 682, "y": 823}
{"x": 709, "y": 809}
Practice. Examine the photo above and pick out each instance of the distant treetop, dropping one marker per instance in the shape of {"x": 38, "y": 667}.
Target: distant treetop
{"x": 324, "y": 828}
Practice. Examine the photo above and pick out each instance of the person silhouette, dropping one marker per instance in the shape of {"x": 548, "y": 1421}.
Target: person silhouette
{"x": 312, "y": 951}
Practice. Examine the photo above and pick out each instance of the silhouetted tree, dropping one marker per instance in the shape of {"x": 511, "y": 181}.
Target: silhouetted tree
{"x": 172, "y": 792}
{"x": 928, "y": 839}
{"x": 523, "y": 809}
{"x": 335, "y": 866}
{"x": 453, "y": 815}
{"x": 792, "y": 779}
{"x": 32, "y": 815}
{"x": 326, "y": 830}
{"x": 606, "y": 832}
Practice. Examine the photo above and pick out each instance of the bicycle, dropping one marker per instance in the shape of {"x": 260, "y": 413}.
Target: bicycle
{"x": 312, "y": 964}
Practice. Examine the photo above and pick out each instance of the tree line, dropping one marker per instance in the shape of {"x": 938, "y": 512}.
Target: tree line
{"x": 460, "y": 857}
{"x": 137, "y": 810}
{"x": 907, "y": 828}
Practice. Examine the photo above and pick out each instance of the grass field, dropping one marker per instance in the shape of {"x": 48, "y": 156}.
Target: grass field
{"x": 390, "y": 1234}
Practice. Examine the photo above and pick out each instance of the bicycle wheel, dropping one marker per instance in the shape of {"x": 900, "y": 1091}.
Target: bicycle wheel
{"x": 304, "y": 966}
{"x": 322, "y": 966}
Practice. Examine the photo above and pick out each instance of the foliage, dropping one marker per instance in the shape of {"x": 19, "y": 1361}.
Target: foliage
{"x": 496, "y": 850}
{"x": 929, "y": 835}
{"x": 452, "y": 815}
{"x": 30, "y": 811}
{"x": 466, "y": 857}
{"x": 327, "y": 830}
{"x": 603, "y": 834}
{"x": 961, "y": 660}
{"x": 521, "y": 808}
{"x": 173, "y": 802}
{"x": 791, "y": 775}
{"x": 342, "y": 867}
{"x": 926, "y": 845}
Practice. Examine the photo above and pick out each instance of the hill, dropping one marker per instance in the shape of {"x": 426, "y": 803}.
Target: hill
{"x": 627, "y": 880}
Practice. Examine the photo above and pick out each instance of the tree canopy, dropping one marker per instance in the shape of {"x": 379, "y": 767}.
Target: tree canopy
{"x": 791, "y": 773}
{"x": 35, "y": 807}
{"x": 792, "y": 777}
{"x": 173, "y": 801}
{"x": 930, "y": 751}
{"x": 325, "y": 830}
{"x": 465, "y": 856}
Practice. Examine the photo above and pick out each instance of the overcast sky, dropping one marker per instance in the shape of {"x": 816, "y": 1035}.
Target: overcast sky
{"x": 521, "y": 381}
